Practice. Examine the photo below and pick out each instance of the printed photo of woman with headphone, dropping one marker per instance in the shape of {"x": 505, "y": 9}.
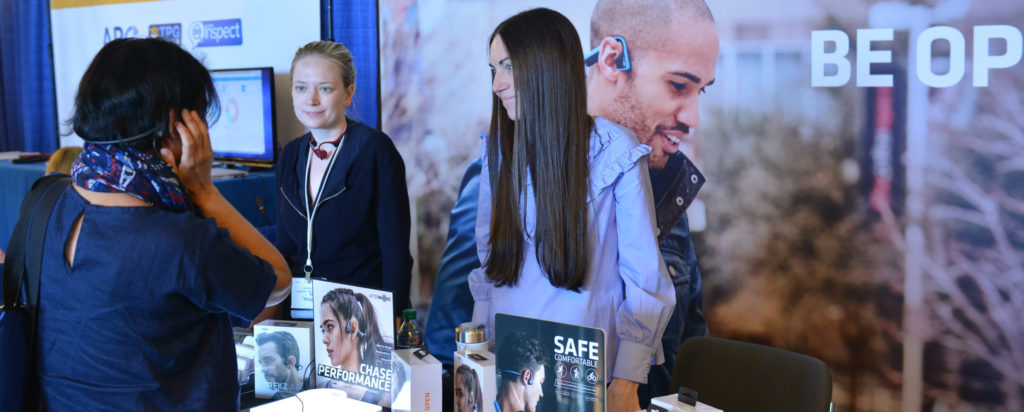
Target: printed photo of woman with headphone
{"x": 358, "y": 353}
{"x": 349, "y": 327}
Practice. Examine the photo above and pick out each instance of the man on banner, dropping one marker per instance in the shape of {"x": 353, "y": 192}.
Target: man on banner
{"x": 521, "y": 362}
{"x": 652, "y": 60}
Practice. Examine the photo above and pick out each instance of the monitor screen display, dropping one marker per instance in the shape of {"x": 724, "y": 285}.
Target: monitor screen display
{"x": 244, "y": 133}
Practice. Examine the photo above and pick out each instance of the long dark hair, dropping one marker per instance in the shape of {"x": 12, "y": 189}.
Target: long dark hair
{"x": 347, "y": 304}
{"x": 550, "y": 139}
{"x": 132, "y": 85}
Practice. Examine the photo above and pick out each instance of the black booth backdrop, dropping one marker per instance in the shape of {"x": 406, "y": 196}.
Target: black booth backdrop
{"x": 812, "y": 233}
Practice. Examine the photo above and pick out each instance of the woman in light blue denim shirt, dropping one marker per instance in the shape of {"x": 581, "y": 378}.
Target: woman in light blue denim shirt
{"x": 572, "y": 238}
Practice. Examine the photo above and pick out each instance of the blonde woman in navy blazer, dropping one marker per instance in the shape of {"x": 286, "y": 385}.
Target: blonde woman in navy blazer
{"x": 344, "y": 179}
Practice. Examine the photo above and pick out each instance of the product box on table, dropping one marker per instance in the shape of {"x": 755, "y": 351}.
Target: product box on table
{"x": 417, "y": 381}
{"x": 284, "y": 355}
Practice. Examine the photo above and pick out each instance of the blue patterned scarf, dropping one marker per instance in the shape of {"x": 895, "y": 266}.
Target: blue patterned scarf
{"x": 112, "y": 169}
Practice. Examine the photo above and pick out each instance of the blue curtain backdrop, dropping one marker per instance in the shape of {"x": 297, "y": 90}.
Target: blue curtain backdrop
{"x": 27, "y": 110}
{"x": 354, "y": 24}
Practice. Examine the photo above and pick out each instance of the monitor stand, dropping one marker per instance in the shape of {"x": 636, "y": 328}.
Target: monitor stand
{"x": 224, "y": 172}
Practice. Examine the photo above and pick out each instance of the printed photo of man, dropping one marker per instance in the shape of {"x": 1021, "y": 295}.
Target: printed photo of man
{"x": 279, "y": 362}
{"x": 520, "y": 361}
{"x": 652, "y": 61}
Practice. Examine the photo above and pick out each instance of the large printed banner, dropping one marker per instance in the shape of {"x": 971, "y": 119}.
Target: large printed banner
{"x": 222, "y": 34}
{"x": 864, "y": 160}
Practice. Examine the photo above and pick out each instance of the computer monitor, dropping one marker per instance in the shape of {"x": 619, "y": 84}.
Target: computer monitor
{"x": 245, "y": 132}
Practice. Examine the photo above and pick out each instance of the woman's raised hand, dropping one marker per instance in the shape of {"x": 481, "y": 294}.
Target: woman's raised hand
{"x": 193, "y": 168}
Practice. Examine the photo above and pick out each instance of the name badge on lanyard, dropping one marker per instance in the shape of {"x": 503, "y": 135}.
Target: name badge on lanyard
{"x": 302, "y": 298}
{"x": 302, "y": 287}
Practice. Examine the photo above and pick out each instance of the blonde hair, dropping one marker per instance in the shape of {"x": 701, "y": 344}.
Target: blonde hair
{"x": 332, "y": 51}
{"x": 62, "y": 159}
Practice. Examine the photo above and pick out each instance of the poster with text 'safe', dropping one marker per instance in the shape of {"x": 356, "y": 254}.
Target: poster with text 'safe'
{"x": 222, "y": 34}
{"x": 353, "y": 340}
{"x": 548, "y": 366}
{"x": 864, "y": 201}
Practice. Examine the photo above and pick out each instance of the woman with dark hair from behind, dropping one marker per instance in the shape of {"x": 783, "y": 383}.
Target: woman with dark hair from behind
{"x": 144, "y": 259}
{"x": 572, "y": 239}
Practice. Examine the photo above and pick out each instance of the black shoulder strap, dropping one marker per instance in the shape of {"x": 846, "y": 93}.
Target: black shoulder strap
{"x": 28, "y": 236}
{"x": 52, "y": 187}
{"x": 27, "y": 240}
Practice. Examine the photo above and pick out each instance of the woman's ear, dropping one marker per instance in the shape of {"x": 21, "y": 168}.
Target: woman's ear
{"x": 355, "y": 328}
{"x": 351, "y": 91}
{"x": 172, "y": 119}
{"x": 170, "y": 143}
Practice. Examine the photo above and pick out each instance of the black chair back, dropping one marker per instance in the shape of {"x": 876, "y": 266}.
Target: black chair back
{"x": 738, "y": 376}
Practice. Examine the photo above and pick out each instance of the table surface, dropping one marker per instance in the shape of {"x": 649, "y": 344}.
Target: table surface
{"x": 669, "y": 403}
{"x": 317, "y": 400}
{"x": 254, "y": 195}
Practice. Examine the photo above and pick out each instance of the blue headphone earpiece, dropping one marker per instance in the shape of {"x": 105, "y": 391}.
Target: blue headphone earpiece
{"x": 348, "y": 329}
{"x": 528, "y": 381}
{"x": 622, "y": 63}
